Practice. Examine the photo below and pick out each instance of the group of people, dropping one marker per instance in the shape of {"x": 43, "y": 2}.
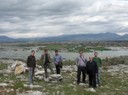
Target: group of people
{"x": 85, "y": 67}
{"x": 89, "y": 67}
{"x": 46, "y": 63}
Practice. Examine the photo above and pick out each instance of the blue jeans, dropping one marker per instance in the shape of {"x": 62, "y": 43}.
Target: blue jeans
{"x": 98, "y": 76}
{"x": 31, "y": 75}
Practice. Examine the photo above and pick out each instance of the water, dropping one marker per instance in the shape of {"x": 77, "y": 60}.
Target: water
{"x": 14, "y": 52}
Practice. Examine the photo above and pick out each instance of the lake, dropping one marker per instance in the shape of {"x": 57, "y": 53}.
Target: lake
{"x": 15, "y": 52}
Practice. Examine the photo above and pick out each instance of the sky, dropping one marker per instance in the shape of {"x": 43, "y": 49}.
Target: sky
{"x": 43, "y": 18}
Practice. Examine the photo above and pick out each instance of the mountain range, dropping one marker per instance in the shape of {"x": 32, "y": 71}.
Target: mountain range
{"x": 73, "y": 37}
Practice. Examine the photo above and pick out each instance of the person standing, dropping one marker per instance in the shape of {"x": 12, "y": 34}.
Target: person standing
{"x": 31, "y": 64}
{"x": 81, "y": 67}
{"x": 99, "y": 64}
{"x": 57, "y": 61}
{"x": 46, "y": 62}
{"x": 92, "y": 70}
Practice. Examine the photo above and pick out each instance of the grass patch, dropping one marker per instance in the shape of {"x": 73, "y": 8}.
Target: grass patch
{"x": 3, "y": 66}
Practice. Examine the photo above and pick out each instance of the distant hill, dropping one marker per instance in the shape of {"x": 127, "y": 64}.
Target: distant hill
{"x": 86, "y": 37}
{"x": 74, "y": 37}
{"x": 6, "y": 39}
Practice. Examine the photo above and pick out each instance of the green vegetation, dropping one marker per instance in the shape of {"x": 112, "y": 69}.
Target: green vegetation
{"x": 75, "y": 47}
{"x": 117, "y": 60}
{"x": 3, "y": 66}
{"x": 87, "y": 48}
{"x": 55, "y": 46}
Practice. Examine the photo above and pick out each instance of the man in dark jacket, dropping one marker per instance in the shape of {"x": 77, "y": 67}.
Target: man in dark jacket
{"x": 46, "y": 60}
{"x": 92, "y": 70}
{"x": 31, "y": 63}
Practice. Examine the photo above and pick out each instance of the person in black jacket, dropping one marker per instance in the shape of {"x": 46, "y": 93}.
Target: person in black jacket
{"x": 31, "y": 64}
{"x": 46, "y": 60}
{"x": 92, "y": 70}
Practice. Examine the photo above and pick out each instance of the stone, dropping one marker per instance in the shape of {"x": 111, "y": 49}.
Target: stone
{"x": 82, "y": 84}
{"x": 32, "y": 86}
{"x": 67, "y": 69}
{"x": 4, "y": 84}
{"x": 46, "y": 79}
{"x": 91, "y": 90}
{"x": 39, "y": 77}
{"x": 19, "y": 69}
{"x": 39, "y": 73}
{"x": 32, "y": 93}
{"x": 126, "y": 72}
{"x": 55, "y": 77}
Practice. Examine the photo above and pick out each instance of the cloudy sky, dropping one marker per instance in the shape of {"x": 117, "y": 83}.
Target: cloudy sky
{"x": 41, "y": 18}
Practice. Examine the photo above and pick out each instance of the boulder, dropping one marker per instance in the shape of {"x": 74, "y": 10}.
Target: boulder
{"x": 19, "y": 69}
{"x": 55, "y": 77}
{"x": 39, "y": 73}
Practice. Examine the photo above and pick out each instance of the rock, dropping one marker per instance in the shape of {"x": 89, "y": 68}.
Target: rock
{"x": 22, "y": 78}
{"x": 126, "y": 72}
{"x": 19, "y": 69}
{"x": 32, "y": 86}
{"x": 71, "y": 85}
{"x": 39, "y": 73}
{"x": 91, "y": 90}
{"x": 82, "y": 84}
{"x": 13, "y": 66}
{"x": 16, "y": 63}
{"x": 67, "y": 69}
{"x": 32, "y": 93}
{"x": 39, "y": 67}
{"x": 8, "y": 71}
{"x": 55, "y": 77}
{"x": 4, "y": 84}
{"x": 39, "y": 77}
{"x": 46, "y": 79}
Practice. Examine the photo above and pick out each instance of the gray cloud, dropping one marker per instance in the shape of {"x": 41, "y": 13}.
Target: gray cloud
{"x": 36, "y": 18}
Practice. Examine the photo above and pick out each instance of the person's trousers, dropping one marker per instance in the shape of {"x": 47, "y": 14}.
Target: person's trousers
{"x": 46, "y": 66}
{"x": 57, "y": 69}
{"x": 31, "y": 75}
{"x": 92, "y": 79}
{"x": 98, "y": 77}
{"x": 79, "y": 71}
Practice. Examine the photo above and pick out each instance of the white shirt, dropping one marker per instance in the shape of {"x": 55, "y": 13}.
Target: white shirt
{"x": 81, "y": 61}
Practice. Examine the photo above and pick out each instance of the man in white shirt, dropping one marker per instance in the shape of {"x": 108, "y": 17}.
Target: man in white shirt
{"x": 57, "y": 61}
{"x": 81, "y": 64}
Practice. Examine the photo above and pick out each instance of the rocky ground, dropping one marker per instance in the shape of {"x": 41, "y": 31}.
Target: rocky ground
{"x": 14, "y": 81}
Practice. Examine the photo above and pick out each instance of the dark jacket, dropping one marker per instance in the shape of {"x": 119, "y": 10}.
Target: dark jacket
{"x": 92, "y": 67}
{"x": 31, "y": 61}
{"x": 46, "y": 58}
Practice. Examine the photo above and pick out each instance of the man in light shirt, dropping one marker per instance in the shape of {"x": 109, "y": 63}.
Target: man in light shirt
{"x": 81, "y": 64}
{"x": 57, "y": 61}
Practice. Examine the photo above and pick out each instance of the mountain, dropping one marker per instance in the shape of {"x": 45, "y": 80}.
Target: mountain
{"x": 124, "y": 37}
{"x": 84, "y": 37}
{"x": 67, "y": 38}
{"x": 6, "y": 39}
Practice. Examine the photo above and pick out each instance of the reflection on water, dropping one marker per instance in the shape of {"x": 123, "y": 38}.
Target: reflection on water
{"x": 19, "y": 53}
